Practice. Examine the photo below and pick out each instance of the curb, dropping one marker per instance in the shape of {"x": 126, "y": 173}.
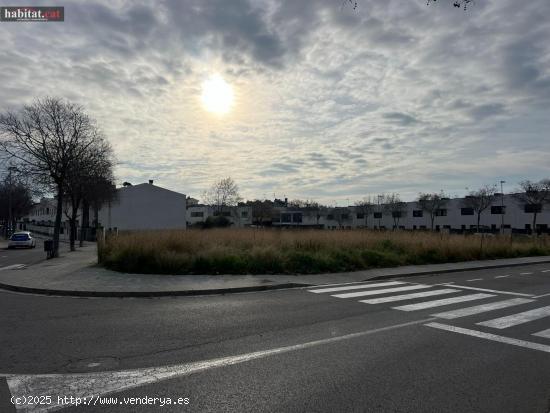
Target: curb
{"x": 147, "y": 294}
{"x": 450, "y": 270}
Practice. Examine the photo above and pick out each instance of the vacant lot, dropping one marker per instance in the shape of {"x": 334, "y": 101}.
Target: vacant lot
{"x": 259, "y": 251}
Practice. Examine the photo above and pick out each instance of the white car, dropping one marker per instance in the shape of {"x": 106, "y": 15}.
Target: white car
{"x": 22, "y": 239}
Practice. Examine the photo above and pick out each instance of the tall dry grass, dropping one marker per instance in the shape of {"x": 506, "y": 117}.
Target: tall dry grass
{"x": 268, "y": 251}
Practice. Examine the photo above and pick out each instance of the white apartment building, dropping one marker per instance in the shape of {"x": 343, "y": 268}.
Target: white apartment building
{"x": 239, "y": 216}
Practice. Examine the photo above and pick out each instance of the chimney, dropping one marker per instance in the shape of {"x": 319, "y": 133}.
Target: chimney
{"x": 150, "y": 182}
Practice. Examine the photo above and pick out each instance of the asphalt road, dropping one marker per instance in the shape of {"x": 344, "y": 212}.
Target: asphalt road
{"x": 292, "y": 350}
{"x": 26, "y": 256}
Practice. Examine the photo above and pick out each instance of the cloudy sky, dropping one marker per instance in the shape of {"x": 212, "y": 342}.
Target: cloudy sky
{"x": 330, "y": 103}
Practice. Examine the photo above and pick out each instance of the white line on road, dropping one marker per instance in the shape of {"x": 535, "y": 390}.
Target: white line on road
{"x": 445, "y": 301}
{"x": 545, "y": 271}
{"x": 464, "y": 287}
{"x": 478, "y": 309}
{"x": 542, "y": 295}
{"x": 104, "y": 383}
{"x": 543, "y": 333}
{"x": 13, "y": 267}
{"x": 515, "y": 319}
{"x": 356, "y": 287}
{"x": 408, "y": 296}
{"x": 384, "y": 291}
{"x": 525, "y": 273}
{"x": 493, "y": 337}
{"x": 502, "y": 276}
{"x": 475, "y": 279}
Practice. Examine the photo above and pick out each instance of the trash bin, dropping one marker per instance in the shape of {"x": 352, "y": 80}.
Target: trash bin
{"x": 48, "y": 247}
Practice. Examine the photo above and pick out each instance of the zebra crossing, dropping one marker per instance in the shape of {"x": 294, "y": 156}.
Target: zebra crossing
{"x": 410, "y": 297}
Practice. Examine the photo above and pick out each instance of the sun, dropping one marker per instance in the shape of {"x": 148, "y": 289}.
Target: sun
{"x": 217, "y": 95}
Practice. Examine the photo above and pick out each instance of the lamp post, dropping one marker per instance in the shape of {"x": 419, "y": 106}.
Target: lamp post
{"x": 379, "y": 211}
{"x": 502, "y": 207}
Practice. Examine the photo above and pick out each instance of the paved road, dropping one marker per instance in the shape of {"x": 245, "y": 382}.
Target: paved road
{"x": 465, "y": 342}
{"x": 25, "y": 256}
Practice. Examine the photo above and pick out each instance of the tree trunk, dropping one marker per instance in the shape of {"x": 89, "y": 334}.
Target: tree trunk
{"x": 72, "y": 236}
{"x": 534, "y": 228}
{"x": 432, "y": 217}
{"x": 85, "y": 224}
{"x": 478, "y": 219}
{"x": 58, "y": 216}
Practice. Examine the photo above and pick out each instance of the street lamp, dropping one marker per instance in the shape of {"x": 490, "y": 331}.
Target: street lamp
{"x": 502, "y": 207}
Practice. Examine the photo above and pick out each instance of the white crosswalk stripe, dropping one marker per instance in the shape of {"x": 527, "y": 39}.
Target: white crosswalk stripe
{"x": 445, "y": 301}
{"x": 543, "y": 333}
{"x": 408, "y": 296}
{"x": 516, "y": 319}
{"x": 356, "y": 287}
{"x": 383, "y": 291}
{"x": 478, "y": 309}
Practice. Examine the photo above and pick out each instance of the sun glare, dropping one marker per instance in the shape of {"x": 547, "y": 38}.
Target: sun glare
{"x": 217, "y": 95}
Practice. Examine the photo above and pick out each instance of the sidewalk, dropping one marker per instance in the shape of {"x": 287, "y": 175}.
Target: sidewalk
{"x": 76, "y": 274}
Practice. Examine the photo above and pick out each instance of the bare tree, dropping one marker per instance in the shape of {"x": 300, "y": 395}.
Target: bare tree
{"x": 95, "y": 165}
{"x": 101, "y": 190}
{"x": 480, "y": 200}
{"x": 431, "y": 204}
{"x": 395, "y": 207}
{"x": 366, "y": 207}
{"x": 15, "y": 201}
{"x": 261, "y": 211}
{"x": 222, "y": 194}
{"x": 44, "y": 139}
{"x": 533, "y": 197}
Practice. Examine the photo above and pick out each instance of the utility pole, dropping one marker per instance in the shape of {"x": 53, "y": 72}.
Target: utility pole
{"x": 10, "y": 215}
{"x": 502, "y": 207}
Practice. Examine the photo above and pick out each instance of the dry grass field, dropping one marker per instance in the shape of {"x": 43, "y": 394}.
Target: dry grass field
{"x": 272, "y": 251}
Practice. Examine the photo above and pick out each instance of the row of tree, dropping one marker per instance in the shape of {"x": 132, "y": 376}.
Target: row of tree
{"x": 225, "y": 193}
{"x": 534, "y": 194}
{"x": 56, "y": 147}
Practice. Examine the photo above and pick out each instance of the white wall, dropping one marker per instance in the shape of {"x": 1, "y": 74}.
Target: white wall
{"x": 145, "y": 206}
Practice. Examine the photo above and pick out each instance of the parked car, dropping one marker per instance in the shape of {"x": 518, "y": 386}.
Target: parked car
{"x": 22, "y": 239}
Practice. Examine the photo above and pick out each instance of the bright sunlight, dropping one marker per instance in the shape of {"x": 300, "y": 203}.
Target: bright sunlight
{"x": 217, "y": 95}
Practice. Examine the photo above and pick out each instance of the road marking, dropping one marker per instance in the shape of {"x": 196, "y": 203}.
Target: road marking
{"x": 444, "y": 301}
{"x": 543, "y": 333}
{"x": 525, "y": 273}
{"x": 475, "y": 279}
{"x": 13, "y": 267}
{"x": 465, "y": 287}
{"x": 493, "y": 337}
{"x": 408, "y": 296}
{"x": 542, "y": 295}
{"x": 356, "y": 287}
{"x": 515, "y": 319}
{"x": 103, "y": 383}
{"x": 502, "y": 276}
{"x": 465, "y": 312}
{"x": 545, "y": 271}
{"x": 384, "y": 291}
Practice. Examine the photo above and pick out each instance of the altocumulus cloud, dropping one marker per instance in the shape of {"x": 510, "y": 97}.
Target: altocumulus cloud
{"x": 332, "y": 103}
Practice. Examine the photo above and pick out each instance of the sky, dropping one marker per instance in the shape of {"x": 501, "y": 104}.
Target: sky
{"x": 330, "y": 103}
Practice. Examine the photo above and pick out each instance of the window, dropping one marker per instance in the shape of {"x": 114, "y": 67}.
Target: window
{"x": 531, "y": 208}
{"x": 226, "y": 213}
{"x": 378, "y": 215}
{"x": 422, "y": 226}
{"x": 244, "y": 214}
{"x": 197, "y": 214}
{"x": 527, "y": 226}
{"x": 493, "y": 226}
{"x": 463, "y": 227}
{"x": 418, "y": 213}
{"x": 360, "y": 216}
{"x": 297, "y": 217}
{"x": 397, "y": 214}
{"x": 498, "y": 210}
{"x": 286, "y": 217}
{"x": 345, "y": 216}
{"x": 437, "y": 227}
{"x": 466, "y": 211}
{"x": 414, "y": 226}
{"x": 441, "y": 213}
{"x": 330, "y": 216}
